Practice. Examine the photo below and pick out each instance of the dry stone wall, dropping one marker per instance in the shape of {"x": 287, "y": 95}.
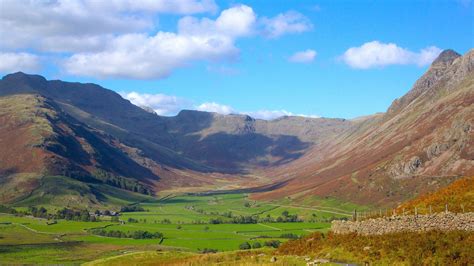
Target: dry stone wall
{"x": 413, "y": 223}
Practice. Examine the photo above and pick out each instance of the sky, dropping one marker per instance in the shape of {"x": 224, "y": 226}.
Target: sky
{"x": 267, "y": 59}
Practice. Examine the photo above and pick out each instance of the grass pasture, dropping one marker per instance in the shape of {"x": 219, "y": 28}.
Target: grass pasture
{"x": 184, "y": 220}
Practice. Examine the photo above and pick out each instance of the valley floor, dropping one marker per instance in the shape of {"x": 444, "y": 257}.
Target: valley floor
{"x": 190, "y": 225}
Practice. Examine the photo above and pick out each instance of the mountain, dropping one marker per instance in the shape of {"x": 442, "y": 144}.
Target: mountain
{"x": 79, "y": 142}
{"x": 91, "y": 135}
{"x": 424, "y": 141}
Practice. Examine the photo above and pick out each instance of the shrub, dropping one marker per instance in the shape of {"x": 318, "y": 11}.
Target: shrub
{"x": 245, "y": 245}
{"x": 208, "y": 250}
{"x": 412, "y": 248}
{"x": 256, "y": 245}
{"x": 272, "y": 243}
{"x": 289, "y": 236}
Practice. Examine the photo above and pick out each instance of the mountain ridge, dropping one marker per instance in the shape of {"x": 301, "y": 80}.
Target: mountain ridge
{"x": 422, "y": 142}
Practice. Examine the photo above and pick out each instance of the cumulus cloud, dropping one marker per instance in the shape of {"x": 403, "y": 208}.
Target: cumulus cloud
{"x": 162, "y": 104}
{"x": 169, "y": 105}
{"x": 285, "y": 23}
{"x": 118, "y": 38}
{"x": 141, "y": 56}
{"x": 12, "y": 62}
{"x": 377, "y": 54}
{"x": 83, "y": 25}
{"x": 215, "y": 108}
{"x": 306, "y": 56}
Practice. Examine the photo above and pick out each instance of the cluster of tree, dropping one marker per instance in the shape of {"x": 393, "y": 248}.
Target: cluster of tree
{"x": 286, "y": 217}
{"x": 68, "y": 214}
{"x": 241, "y": 219}
{"x": 255, "y": 245}
{"x": 120, "y": 234}
{"x": 6, "y": 209}
{"x": 121, "y": 182}
{"x": 132, "y": 208}
{"x": 65, "y": 213}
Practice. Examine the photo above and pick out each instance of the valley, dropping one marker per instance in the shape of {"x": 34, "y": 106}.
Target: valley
{"x": 97, "y": 176}
{"x": 188, "y": 223}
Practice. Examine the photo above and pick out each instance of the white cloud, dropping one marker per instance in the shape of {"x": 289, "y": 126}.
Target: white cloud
{"x": 12, "y": 62}
{"x": 144, "y": 57}
{"x": 285, "y": 23}
{"x": 162, "y": 104}
{"x": 87, "y": 25}
{"x": 215, "y": 108}
{"x": 377, "y": 54}
{"x": 268, "y": 114}
{"x": 273, "y": 114}
{"x": 162, "y": 6}
{"x": 113, "y": 39}
{"x": 169, "y": 105}
{"x": 306, "y": 56}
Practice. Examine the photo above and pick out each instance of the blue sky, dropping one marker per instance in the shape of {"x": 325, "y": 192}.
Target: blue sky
{"x": 265, "y": 58}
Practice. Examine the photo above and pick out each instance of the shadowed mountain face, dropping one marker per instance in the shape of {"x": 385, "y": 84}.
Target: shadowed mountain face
{"x": 193, "y": 140}
{"x": 93, "y": 135}
{"x": 425, "y": 140}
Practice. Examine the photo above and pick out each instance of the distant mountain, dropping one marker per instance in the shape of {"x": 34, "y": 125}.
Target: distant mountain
{"x": 75, "y": 142}
{"x": 93, "y": 135}
{"x": 423, "y": 141}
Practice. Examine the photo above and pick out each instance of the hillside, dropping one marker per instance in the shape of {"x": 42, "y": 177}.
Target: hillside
{"x": 90, "y": 134}
{"x": 39, "y": 142}
{"x": 459, "y": 196}
{"x": 423, "y": 142}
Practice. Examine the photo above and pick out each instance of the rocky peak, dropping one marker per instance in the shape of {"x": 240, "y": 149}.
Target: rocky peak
{"x": 445, "y": 58}
{"x": 437, "y": 70}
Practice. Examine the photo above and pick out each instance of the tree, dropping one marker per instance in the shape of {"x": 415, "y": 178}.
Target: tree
{"x": 245, "y": 245}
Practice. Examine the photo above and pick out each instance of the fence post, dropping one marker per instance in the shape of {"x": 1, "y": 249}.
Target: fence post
{"x": 403, "y": 211}
{"x": 462, "y": 207}
{"x": 416, "y": 211}
{"x": 355, "y": 215}
{"x": 446, "y": 208}
{"x": 430, "y": 210}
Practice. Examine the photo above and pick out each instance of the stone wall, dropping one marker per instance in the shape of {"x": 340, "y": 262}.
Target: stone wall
{"x": 378, "y": 226}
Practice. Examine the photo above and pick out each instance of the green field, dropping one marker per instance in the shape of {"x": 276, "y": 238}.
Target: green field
{"x": 184, "y": 221}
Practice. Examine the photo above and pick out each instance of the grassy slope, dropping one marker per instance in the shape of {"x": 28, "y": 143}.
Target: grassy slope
{"x": 261, "y": 257}
{"x": 458, "y": 194}
{"x": 61, "y": 191}
{"x": 426, "y": 248}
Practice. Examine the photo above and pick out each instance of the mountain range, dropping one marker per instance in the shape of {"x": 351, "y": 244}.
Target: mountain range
{"x": 65, "y": 143}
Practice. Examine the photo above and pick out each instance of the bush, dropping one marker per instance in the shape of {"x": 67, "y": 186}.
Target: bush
{"x": 131, "y": 220}
{"x": 208, "y": 250}
{"x": 272, "y": 243}
{"x": 245, "y": 245}
{"x": 120, "y": 234}
{"x": 256, "y": 245}
{"x": 134, "y": 208}
{"x": 289, "y": 236}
